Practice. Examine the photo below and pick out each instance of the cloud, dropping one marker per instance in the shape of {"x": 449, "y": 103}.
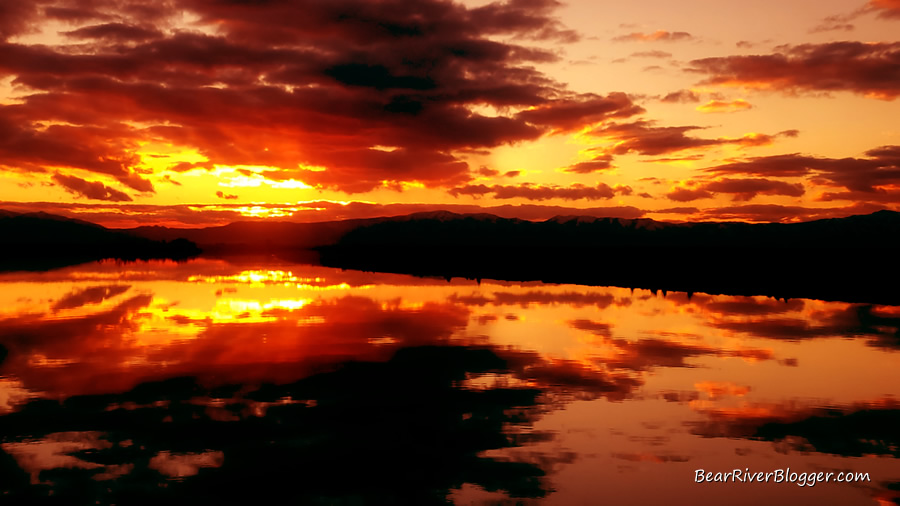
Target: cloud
{"x": 681, "y": 96}
{"x": 223, "y": 195}
{"x": 27, "y": 146}
{"x": 881, "y": 195}
{"x": 644, "y": 138}
{"x": 870, "y": 69}
{"x": 880, "y": 167}
{"x": 90, "y": 189}
{"x": 600, "y": 162}
{"x": 651, "y": 54}
{"x": 741, "y": 189}
{"x": 688, "y": 194}
{"x": 529, "y": 191}
{"x": 659, "y": 35}
{"x": 540, "y": 297}
{"x": 781, "y": 213}
{"x": 288, "y": 85}
{"x": 120, "y": 32}
{"x": 722, "y": 106}
{"x": 886, "y": 8}
{"x": 568, "y": 115}
{"x": 87, "y": 296}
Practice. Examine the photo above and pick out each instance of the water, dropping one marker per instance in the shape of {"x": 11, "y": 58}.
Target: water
{"x": 259, "y": 381}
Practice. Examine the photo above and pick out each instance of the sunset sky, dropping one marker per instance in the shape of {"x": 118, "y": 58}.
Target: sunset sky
{"x": 203, "y": 112}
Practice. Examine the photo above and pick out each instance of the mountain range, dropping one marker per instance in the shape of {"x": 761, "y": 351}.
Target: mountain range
{"x": 848, "y": 258}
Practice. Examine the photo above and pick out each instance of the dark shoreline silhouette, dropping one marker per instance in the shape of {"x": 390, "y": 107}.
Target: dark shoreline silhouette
{"x": 41, "y": 241}
{"x": 847, "y": 259}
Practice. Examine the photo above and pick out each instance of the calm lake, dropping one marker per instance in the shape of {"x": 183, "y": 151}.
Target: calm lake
{"x": 258, "y": 381}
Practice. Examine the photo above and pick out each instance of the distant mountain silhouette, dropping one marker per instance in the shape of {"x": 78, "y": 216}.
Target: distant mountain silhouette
{"x": 849, "y": 258}
{"x": 40, "y": 241}
{"x": 255, "y": 236}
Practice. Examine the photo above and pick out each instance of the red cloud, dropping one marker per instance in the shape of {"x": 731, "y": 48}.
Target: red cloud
{"x": 99, "y": 149}
{"x": 600, "y": 162}
{"x": 115, "y": 31}
{"x": 722, "y": 106}
{"x": 644, "y": 138}
{"x": 871, "y": 69}
{"x": 779, "y": 213}
{"x": 90, "y": 189}
{"x": 284, "y": 84}
{"x": 742, "y": 189}
{"x": 568, "y": 115}
{"x": 659, "y": 35}
{"x": 542, "y": 192}
{"x": 227, "y": 196}
{"x": 887, "y": 8}
{"x": 681, "y": 96}
{"x": 688, "y": 194}
{"x": 881, "y": 167}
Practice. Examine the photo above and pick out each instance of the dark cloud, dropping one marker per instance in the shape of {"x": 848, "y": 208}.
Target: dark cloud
{"x": 90, "y": 295}
{"x": 33, "y": 147}
{"x": 681, "y": 96}
{"x": 880, "y": 167}
{"x": 643, "y": 354}
{"x": 600, "y": 162}
{"x": 879, "y": 195}
{"x": 863, "y": 429}
{"x": 870, "y": 69}
{"x": 486, "y": 172}
{"x": 741, "y": 189}
{"x": 886, "y": 8}
{"x": 746, "y": 189}
{"x": 115, "y": 31}
{"x": 15, "y": 18}
{"x": 223, "y": 195}
{"x": 659, "y": 35}
{"x": 750, "y": 306}
{"x": 651, "y": 54}
{"x": 854, "y": 321}
{"x": 688, "y": 194}
{"x": 90, "y": 189}
{"x": 675, "y": 210}
{"x": 568, "y": 115}
{"x": 644, "y": 138}
{"x": 543, "y": 192}
{"x": 781, "y": 213}
{"x": 282, "y": 84}
{"x": 598, "y": 328}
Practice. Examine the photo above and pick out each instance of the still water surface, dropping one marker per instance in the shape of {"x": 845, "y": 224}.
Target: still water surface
{"x": 264, "y": 382}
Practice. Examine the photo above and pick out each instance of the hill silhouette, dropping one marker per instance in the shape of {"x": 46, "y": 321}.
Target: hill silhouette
{"x": 837, "y": 259}
{"x": 41, "y": 241}
{"x": 847, "y": 259}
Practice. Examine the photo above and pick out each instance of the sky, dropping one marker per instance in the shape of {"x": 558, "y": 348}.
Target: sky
{"x": 203, "y": 112}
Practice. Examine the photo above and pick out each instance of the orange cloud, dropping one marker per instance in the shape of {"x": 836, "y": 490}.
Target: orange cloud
{"x": 659, "y": 35}
{"x": 880, "y": 167}
{"x": 286, "y": 86}
{"x": 886, "y": 8}
{"x": 741, "y": 189}
{"x": 869, "y": 69}
{"x": 722, "y": 106}
{"x": 543, "y": 192}
{"x": 644, "y": 138}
